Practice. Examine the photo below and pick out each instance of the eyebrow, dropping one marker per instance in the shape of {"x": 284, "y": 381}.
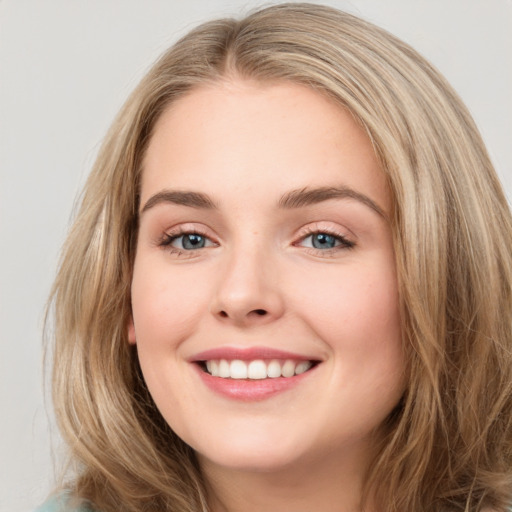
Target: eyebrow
{"x": 294, "y": 199}
{"x": 192, "y": 199}
{"x": 309, "y": 196}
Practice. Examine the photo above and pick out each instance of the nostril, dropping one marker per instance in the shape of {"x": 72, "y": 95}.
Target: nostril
{"x": 256, "y": 312}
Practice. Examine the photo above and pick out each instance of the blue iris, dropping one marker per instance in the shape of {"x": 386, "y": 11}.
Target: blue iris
{"x": 193, "y": 241}
{"x": 323, "y": 241}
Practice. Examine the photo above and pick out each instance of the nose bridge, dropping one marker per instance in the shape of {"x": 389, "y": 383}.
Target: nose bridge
{"x": 248, "y": 289}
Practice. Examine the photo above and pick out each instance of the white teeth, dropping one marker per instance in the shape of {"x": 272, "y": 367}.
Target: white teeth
{"x": 212, "y": 367}
{"x": 303, "y": 367}
{"x": 224, "y": 370}
{"x": 257, "y": 369}
{"x": 238, "y": 369}
{"x": 274, "y": 369}
{"x": 288, "y": 369}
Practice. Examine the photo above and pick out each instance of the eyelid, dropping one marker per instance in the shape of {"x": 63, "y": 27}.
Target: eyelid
{"x": 170, "y": 235}
{"x": 173, "y": 238}
{"x": 347, "y": 242}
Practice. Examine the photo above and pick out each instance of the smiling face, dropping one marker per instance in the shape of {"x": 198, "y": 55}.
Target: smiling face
{"x": 264, "y": 293}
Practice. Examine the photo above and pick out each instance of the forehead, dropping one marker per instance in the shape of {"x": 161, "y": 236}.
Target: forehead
{"x": 248, "y": 136}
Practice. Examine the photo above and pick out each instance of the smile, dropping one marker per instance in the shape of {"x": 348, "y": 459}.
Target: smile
{"x": 252, "y": 373}
{"x": 257, "y": 369}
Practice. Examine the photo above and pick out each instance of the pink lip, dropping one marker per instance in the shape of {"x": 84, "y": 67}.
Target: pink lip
{"x": 250, "y": 390}
{"x": 247, "y": 354}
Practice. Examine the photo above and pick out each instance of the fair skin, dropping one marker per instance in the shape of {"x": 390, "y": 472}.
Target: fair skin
{"x": 282, "y": 256}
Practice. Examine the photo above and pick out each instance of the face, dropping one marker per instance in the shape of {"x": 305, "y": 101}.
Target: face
{"x": 264, "y": 293}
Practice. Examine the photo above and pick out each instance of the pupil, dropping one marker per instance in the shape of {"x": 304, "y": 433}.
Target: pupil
{"x": 322, "y": 241}
{"x": 193, "y": 242}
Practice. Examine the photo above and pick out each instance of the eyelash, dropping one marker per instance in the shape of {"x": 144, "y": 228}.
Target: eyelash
{"x": 168, "y": 238}
{"x": 343, "y": 242}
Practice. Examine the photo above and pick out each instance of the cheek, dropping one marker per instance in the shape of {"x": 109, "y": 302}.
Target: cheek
{"x": 356, "y": 307}
{"x": 166, "y": 305}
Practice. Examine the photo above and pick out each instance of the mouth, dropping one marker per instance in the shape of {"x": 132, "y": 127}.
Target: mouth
{"x": 255, "y": 369}
{"x": 252, "y": 373}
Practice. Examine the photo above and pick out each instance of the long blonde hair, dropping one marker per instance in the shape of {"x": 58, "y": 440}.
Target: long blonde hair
{"x": 448, "y": 445}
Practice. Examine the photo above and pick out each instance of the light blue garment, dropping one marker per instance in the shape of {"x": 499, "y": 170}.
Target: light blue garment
{"x": 60, "y": 504}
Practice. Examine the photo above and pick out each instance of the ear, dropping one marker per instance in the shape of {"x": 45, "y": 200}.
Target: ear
{"x": 131, "y": 331}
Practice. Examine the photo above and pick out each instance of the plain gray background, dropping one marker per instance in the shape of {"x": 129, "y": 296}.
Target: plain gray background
{"x": 65, "y": 68}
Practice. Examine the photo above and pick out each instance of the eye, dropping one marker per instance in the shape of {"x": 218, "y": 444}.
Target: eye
{"x": 325, "y": 241}
{"x": 190, "y": 241}
{"x": 322, "y": 241}
{"x": 186, "y": 241}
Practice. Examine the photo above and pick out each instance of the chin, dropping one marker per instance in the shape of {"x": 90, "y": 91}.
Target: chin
{"x": 258, "y": 455}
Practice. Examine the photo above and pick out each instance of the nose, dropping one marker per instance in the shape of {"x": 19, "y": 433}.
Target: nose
{"x": 248, "y": 291}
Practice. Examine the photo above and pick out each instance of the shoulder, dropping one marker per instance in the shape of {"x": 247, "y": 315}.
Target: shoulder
{"x": 63, "y": 503}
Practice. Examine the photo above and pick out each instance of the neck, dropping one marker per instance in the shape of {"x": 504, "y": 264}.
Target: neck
{"x": 329, "y": 485}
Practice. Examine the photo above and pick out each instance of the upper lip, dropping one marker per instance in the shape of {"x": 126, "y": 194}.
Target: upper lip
{"x": 248, "y": 354}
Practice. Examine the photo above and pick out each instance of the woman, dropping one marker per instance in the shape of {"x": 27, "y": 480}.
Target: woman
{"x": 289, "y": 284}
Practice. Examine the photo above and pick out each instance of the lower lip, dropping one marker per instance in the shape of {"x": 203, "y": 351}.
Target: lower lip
{"x": 249, "y": 389}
